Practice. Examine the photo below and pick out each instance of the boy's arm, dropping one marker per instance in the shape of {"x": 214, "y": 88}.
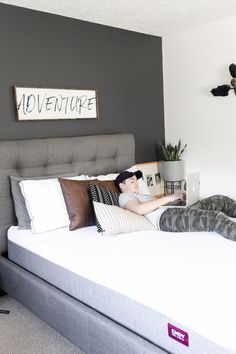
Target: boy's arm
{"x": 143, "y": 208}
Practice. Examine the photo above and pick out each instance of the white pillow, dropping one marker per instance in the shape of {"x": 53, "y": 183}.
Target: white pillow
{"x": 143, "y": 188}
{"x": 78, "y": 178}
{"x": 114, "y": 220}
{"x": 45, "y": 204}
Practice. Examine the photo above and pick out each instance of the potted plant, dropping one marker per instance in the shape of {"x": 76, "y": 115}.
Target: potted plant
{"x": 172, "y": 167}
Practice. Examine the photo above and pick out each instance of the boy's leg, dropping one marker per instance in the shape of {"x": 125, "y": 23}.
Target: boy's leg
{"x": 218, "y": 203}
{"x": 194, "y": 219}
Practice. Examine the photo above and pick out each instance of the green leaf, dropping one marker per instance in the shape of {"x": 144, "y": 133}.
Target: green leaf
{"x": 172, "y": 152}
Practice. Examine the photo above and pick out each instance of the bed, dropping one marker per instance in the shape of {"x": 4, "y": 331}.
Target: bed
{"x": 88, "y": 329}
{"x": 187, "y": 306}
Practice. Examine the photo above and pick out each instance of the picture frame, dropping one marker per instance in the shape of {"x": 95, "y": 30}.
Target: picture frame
{"x": 152, "y": 177}
{"x": 33, "y": 104}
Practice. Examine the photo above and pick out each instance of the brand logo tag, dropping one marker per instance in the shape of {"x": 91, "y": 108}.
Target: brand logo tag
{"x": 178, "y": 334}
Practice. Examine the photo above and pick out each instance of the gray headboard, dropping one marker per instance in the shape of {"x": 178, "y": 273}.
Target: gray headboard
{"x": 92, "y": 155}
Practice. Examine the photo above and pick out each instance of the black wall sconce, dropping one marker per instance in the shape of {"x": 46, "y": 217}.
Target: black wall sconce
{"x": 223, "y": 90}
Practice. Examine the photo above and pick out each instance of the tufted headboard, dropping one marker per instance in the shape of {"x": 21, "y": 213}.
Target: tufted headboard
{"x": 92, "y": 155}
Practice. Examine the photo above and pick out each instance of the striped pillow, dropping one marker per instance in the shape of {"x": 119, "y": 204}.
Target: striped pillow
{"x": 114, "y": 220}
{"x": 102, "y": 195}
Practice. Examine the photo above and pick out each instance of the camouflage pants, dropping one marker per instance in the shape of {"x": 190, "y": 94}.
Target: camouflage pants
{"x": 209, "y": 214}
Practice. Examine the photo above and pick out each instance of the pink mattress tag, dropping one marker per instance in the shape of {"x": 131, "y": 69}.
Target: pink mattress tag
{"x": 178, "y": 334}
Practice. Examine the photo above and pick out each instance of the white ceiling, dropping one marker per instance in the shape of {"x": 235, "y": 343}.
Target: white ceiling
{"x": 157, "y": 17}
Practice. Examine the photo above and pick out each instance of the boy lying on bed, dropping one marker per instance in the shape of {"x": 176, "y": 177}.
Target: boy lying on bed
{"x": 209, "y": 214}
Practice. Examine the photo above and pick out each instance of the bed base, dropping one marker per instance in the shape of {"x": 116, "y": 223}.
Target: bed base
{"x": 88, "y": 329}
{"x": 85, "y": 327}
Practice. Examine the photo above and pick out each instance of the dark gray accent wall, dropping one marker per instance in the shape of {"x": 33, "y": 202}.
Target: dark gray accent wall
{"x": 43, "y": 50}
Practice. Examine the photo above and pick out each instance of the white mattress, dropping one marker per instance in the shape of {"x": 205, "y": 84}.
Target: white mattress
{"x": 189, "y": 278}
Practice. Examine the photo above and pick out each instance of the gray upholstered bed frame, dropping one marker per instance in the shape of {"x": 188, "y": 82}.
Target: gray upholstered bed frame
{"x": 91, "y": 331}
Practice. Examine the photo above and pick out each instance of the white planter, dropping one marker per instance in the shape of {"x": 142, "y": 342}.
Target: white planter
{"x": 172, "y": 170}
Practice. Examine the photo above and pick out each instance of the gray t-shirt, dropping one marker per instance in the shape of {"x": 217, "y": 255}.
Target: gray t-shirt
{"x": 127, "y": 196}
{"x": 154, "y": 216}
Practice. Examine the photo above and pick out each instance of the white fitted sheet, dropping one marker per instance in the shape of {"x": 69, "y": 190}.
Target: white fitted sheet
{"x": 189, "y": 278}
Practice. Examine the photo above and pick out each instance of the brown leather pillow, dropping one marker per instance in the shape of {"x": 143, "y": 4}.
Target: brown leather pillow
{"x": 78, "y": 204}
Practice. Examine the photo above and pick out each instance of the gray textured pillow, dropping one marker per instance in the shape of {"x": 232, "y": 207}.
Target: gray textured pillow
{"x": 19, "y": 201}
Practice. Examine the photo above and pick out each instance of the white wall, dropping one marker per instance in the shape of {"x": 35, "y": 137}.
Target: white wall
{"x": 195, "y": 61}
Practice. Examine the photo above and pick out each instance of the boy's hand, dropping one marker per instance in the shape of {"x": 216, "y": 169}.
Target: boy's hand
{"x": 179, "y": 195}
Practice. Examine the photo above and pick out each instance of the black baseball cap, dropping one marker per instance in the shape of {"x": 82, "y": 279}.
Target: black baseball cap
{"x": 127, "y": 174}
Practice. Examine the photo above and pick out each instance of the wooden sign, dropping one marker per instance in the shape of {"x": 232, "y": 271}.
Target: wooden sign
{"x": 49, "y": 104}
